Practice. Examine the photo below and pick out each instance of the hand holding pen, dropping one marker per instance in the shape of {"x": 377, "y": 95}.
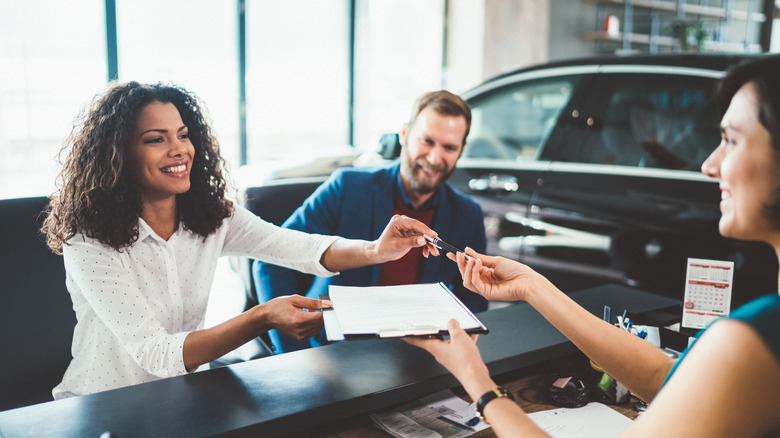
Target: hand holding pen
{"x": 440, "y": 244}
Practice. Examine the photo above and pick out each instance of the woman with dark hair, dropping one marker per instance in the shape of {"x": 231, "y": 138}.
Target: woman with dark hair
{"x": 727, "y": 383}
{"x": 141, "y": 218}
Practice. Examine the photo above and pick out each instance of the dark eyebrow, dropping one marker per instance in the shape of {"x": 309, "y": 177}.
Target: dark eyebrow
{"x": 163, "y": 131}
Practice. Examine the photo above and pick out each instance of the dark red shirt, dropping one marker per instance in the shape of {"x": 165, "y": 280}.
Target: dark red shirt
{"x": 408, "y": 269}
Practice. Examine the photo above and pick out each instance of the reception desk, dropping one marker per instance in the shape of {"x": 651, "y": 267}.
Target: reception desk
{"x": 291, "y": 392}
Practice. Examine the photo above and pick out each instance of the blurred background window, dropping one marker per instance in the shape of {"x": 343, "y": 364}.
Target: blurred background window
{"x": 191, "y": 43}
{"x": 52, "y": 61}
{"x": 398, "y": 57}
{"x": 297, "y": 92}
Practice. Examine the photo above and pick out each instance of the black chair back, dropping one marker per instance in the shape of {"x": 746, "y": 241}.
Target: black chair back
{"x": 274, "y": 203}
{"x": 36, "y": 313}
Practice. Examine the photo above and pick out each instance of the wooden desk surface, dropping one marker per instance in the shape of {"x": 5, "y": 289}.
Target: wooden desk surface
{"x": 526, "y": 385}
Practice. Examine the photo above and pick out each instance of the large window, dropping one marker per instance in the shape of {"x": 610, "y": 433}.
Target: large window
{"x": 398, "y": 57}
{"x": 188, "y": 42}
{"x": 318, "y": 75}
{"x": 50, "y": 68}
{"x": 298, "y": 91}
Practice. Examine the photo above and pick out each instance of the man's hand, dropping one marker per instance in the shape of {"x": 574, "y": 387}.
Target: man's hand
{"x": 402, "y": 234}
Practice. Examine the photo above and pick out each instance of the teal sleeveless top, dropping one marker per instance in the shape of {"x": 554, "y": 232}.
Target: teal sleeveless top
{"x": 762, "y": 314}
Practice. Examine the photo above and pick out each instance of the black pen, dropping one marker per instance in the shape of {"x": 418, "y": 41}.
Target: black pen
{"x": 438, "y": 243}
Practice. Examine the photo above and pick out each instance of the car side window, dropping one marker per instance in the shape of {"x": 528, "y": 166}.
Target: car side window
{"x": 511, "y": 123}
{"x": 658, "y": 121}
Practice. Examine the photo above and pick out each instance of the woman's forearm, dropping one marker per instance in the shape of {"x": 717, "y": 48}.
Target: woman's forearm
{"x": 292, "y": 315}
{"x": 508, "y": 419}
{"x": 636, "y": 363}
{"x": 206, "y": 345}
{"x": 345, "y": 254}
{"x": 399, "y": 236}
{"x": 505, "y": 416}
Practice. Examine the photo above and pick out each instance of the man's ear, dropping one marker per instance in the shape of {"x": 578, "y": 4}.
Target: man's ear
{"x": 403, "y": 134}
{"x": 462, "y": 148}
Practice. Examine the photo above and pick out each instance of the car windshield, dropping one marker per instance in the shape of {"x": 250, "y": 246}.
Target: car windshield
{"x": 659, "y": 121}
{"x": 511, "y": 123}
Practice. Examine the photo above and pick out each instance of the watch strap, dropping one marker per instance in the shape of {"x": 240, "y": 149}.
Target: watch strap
{"x": 497, "y": 392}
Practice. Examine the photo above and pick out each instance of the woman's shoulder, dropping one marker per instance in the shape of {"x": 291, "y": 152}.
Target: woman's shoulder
{"x": 763, "y": 315}
{"x": 762, "y": 307}
{"x": 239, "y": 219}
{"x": 80, "y": 240}
{"x": 726, "y": 386}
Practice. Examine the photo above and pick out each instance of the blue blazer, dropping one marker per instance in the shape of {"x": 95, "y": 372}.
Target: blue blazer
{"x": 358, "y": 204}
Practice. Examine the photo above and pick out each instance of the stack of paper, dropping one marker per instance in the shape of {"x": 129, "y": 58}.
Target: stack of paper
{"x": 395, "y": 311}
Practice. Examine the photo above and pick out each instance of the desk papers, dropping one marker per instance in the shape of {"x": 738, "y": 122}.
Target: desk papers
{"x": 438, "y": 415}
{"x": 593, "y": 420}
{"x": 395, "y": 311}
{"x": 428, "y": 418}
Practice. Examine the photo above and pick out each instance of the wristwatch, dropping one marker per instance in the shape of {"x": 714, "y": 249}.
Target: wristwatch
{"x": 497, "y": 392}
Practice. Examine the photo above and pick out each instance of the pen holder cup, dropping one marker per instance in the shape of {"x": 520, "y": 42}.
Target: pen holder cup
{"x": 604, "y": 388}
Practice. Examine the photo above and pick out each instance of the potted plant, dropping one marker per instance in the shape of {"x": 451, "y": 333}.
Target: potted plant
{"x": 690, "y": 34}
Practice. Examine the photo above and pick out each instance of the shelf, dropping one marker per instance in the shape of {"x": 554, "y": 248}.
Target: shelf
{"x": 667, "y": 41}
{"x": 705, "y": 11}
{"x": 637, "y": 38}
{"x": 721, "y": 20}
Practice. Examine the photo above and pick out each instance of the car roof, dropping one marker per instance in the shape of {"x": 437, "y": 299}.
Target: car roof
{"x": 719, "y": 62}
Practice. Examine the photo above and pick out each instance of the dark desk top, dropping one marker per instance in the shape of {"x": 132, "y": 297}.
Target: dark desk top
{"x": 526, "y": 385}
{"x": 290, "y": 392}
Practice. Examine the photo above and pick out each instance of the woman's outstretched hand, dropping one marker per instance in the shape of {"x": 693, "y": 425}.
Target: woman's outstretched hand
{"x": 496, "y": 278}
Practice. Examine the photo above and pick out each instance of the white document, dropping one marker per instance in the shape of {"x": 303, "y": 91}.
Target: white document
{"x": 707, "y": 292}
{"x": 394, "y": 311}
{"x": 594, "y": 420}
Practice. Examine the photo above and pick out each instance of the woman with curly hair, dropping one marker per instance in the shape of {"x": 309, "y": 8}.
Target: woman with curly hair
{"x": 141, "y": 218}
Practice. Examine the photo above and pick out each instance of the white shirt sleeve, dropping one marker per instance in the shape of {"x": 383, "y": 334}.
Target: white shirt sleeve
{"x": 253, "y": 237}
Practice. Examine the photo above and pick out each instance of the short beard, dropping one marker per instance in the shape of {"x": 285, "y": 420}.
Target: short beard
{"x": 408, "y": 168}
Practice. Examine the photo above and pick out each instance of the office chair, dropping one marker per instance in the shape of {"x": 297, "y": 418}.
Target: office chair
{"x": 273, "y": 202}
{"x": 36, "y": 313}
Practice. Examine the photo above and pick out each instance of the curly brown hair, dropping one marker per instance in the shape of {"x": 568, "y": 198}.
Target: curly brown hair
{"x": 98, "y": 195}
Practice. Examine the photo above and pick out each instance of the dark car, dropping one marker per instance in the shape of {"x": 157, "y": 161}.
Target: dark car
{"x": 588, "y": 171}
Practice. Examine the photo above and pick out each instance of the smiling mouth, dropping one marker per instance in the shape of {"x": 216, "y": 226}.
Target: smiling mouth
{"x": 174, "y": 169}
{"x": 429, "y": 171}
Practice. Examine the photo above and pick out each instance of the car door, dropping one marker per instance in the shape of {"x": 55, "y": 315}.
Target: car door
{"x": 512, "y": 120}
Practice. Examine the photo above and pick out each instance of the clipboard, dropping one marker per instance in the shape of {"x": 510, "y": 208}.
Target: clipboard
{"x": 395, "y": 311}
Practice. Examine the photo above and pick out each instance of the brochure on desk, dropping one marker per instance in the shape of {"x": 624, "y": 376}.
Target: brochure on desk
{"x": 395, "y": 311}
